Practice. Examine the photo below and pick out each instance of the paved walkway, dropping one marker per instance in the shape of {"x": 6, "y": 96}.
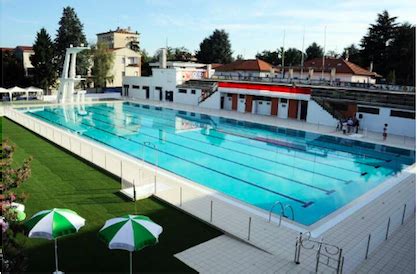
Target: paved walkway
{"x": 397, "y": 255}
{"x": 225, "y": 254}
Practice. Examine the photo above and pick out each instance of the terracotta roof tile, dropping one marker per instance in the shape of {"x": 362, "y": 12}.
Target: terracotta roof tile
{"x": 341, "y": 65}
{"x": 246, "y": 65}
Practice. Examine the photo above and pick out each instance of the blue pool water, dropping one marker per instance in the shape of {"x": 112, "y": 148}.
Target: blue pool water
{"x": 258, "y": 164}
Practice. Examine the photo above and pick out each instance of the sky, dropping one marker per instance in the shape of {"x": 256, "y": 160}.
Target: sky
{"x": 253, "y": 25}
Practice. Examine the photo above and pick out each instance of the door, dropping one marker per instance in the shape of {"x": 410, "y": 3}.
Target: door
{"x": 147, "y": 93}
{"x": 222, "y": 102}
{"x": 125, "y": 91}
{"x": 169, "y": 95}
{"x": 160, "y": 95}
{"x": 283, "y": 108}
{"x": 241, "y": 106}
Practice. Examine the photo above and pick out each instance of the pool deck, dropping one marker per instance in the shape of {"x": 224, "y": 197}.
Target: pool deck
{"x": 351, "y": 234}
{"x": 225, "y": 254}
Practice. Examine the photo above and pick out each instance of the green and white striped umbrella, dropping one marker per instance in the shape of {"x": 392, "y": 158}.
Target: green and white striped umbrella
{"x": 130, "y": 232}
{"x": 52, "y": 223}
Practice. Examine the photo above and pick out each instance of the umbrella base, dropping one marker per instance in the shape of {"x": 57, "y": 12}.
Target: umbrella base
{"x": 58, "y": 272}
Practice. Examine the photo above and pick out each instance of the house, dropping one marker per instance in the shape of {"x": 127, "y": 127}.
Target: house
{"x": 335, "y": 69}
{"x": 23, "y": 53}
{"x": 245, "y": 68}
{"x": 124, "y": 44}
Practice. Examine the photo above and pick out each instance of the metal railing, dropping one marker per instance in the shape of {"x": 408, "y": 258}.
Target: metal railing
{"x": 326, "y": 254}
{"x": 318, "y": 82}
{"x": 281, "y": 213}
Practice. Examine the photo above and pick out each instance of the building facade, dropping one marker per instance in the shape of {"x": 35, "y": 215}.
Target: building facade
{"x": 124, "y": 45}
{"x": 24, "y": 53}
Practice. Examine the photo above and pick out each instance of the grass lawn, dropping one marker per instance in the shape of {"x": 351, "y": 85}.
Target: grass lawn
{"x": 59, "y": 179}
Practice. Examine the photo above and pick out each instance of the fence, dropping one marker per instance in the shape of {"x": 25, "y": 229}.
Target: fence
{"x": 356, "y": 254}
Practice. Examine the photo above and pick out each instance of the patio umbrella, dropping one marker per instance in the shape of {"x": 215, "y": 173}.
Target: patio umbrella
{"x": 131, "y": 233}
{"x": 53, "y": 223}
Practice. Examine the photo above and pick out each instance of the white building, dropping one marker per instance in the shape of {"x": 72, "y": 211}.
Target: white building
{"x": 188, "y": 83}
{"x": 166, "y": 77}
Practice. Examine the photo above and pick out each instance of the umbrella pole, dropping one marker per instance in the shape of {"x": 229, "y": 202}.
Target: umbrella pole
{"x": 130, "y": 262}
{"x": 56, "y": 257}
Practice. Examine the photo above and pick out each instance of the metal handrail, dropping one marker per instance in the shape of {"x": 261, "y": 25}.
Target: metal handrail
{"x": 281, "y": 213}
{"x": 292, "y": 211}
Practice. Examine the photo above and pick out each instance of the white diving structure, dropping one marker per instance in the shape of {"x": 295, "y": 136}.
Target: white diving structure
{"x": 66, "y": 93}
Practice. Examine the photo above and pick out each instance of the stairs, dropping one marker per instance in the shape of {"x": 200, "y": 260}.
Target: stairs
{"x": 328, "y": 107}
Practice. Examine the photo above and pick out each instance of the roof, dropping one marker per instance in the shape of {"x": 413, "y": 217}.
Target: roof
{"x": 6, "y": 49}
{"x": 341, "y": 65}
{"x": 119, "y": 30}
{"x": 24, "y": 48}
{"x": 248, "y": 65}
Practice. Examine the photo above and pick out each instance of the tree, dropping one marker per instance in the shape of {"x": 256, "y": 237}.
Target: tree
{"x": 215, "y": 49}
{"x": 44, "y": 70}
{"x": 12, "y": 177}
{"x": 332, "y": 53}
{"x": 239, "y": 57}
{"x": 102, "y": 62}
{"x": 375, "y": 45}
{"x": 353, "y": 54}
{"x": 12, "y": 71}
{"x": 70, "y": 32}
{"x": 272, "y": 57}
{"x": 402, "y": 55}
{"x": 314, "y": 51}
{"x": 145, "y": 63}
{"x": 292, "y": 57}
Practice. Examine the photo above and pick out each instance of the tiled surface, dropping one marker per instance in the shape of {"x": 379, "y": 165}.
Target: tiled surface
{"x": 227, "y": 255}
{"x": 396, "y": 255}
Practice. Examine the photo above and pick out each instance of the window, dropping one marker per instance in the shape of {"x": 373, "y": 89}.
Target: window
{"x": 123, "y": 60}
{"x": 123, "y": 73}
{"x": 241, "y": 96}
{"x": 135, "y": 87}
{"x": 193, "y": 91}
{"x": 182, "y": 90}
{"x": 369, "y": 110}
{"x": 402, "y": 114}
{"x": 284, "y": 101}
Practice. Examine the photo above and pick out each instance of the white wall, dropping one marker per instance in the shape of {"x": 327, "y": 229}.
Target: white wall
{"x": 213, "y": 102}
{"x": 317, "y": 115}
{"x": 396, "y": 125}
{"x": 187, "y": 98}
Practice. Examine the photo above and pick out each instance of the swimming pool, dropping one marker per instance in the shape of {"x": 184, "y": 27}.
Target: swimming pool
{"x": 258, "y": 164}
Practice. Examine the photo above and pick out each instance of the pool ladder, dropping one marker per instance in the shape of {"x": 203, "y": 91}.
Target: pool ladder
{"x": 282, "y": 213}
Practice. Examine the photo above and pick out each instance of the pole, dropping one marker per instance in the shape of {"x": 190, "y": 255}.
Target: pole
{"x": 283, "y": 56}
{"x": 130, "y": 262}
{"x": 56, "y": 256}
{"x": 324, "y": 51}
{"x": 302, "y": 55}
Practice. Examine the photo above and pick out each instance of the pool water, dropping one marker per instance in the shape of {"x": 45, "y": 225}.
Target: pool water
{"x": 258, "y": 164}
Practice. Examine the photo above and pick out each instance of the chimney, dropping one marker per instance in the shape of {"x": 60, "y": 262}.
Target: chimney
{"x": 346, "y": 55}
{"x": 371, "y": 66}
{"x": 163, "y": 56}
{"x": 209, "y": 71}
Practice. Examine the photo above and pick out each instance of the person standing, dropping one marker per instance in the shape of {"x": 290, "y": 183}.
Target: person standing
{"x": 385, "y": 132}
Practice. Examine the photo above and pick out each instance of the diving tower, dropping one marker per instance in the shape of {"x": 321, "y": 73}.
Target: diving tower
{"x": 66, "y": 92}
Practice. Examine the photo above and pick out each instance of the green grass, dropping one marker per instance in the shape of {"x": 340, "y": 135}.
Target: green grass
{"x": 59, "y": 179}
